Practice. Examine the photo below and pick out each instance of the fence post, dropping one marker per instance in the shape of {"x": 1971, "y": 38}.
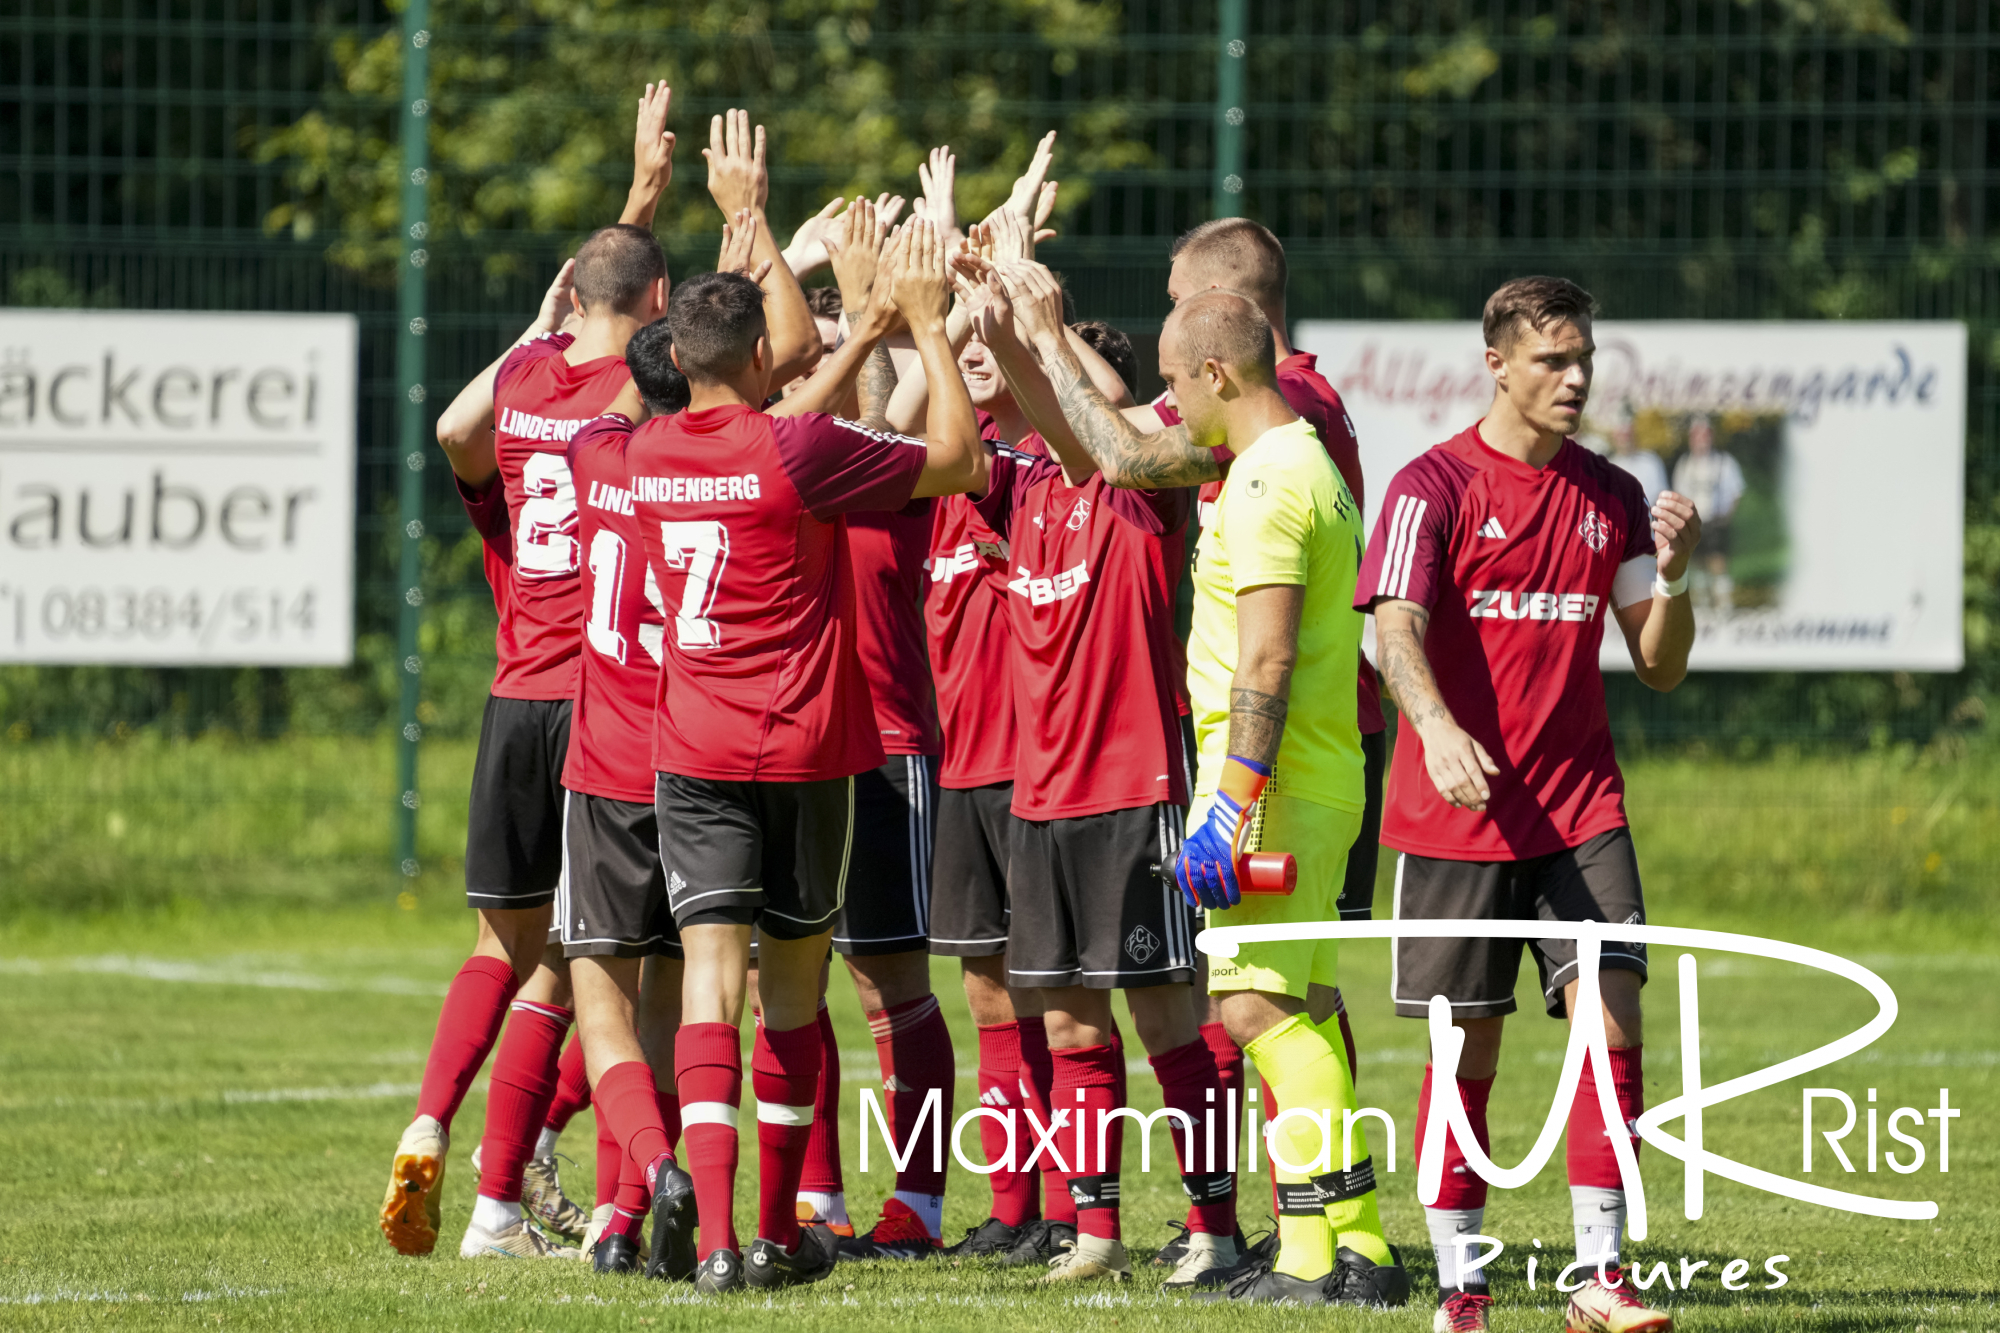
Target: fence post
{"x": 411, "y": 416}
{"x": 1230, "y": 50}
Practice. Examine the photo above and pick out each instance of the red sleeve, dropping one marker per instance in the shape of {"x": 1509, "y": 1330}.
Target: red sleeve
{"x": 1153, "y": 512}
{"x": 486, "y": 506}
{"x": 1411, "y": 543}
{"x": 537, "y": 347}
{"x": 1010, "y": 475}
{"x": 611, "y": 426}
{"x": 838, "y": 467}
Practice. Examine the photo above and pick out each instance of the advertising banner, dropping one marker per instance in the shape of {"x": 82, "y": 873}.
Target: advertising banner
{"x": 176, "y": 487}
{"x": 1827, "y": 460}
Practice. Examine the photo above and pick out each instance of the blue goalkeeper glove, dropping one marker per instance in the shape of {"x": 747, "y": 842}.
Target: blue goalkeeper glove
{"x": 1205, "y": 866}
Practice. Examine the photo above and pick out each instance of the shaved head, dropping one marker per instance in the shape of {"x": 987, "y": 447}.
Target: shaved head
{"x": 1235, "y": 253}
{"x": 1227, "y": 328}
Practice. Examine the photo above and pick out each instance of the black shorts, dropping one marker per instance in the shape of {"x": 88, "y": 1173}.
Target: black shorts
{"x": 888, "y": 907}
{"x": 612, "y": 901}
{"x": 969, "y": 903}
{"x": 513, "y": 832}
{"x": 1598, "y": 881}
{"x": 1089, "y": 909}
{"x": 772, "y": 854}
{"x": 1357, "y": 891}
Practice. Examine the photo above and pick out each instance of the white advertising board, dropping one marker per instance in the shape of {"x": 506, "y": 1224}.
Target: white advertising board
{"x": 177, "y": 487}
{"x": 1828, "y": 459}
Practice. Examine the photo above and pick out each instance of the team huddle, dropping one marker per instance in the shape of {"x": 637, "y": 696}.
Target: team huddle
{"x": 841, "y": 621}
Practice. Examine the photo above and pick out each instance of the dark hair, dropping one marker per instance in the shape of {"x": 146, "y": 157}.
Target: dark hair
{"x": 616, "y": 266}
{"x": 1238, "y": 254}
{"x": 1229, "y": 329}
{"x": 1114, "y": 347}
{"x": 1536, "y": 302}
{"x": 716, "y": 319}
{"x": 650, "y": 355}
{"x": 824, "y": 302}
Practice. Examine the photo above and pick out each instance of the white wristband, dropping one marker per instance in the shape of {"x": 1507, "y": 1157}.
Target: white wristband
{"x": 1662, "y": 588}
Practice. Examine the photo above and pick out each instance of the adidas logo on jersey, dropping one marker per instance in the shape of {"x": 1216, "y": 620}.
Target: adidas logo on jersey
{"x": 965, "y": 560}
{"x": 1495, "y": 605}
{"x": 1041, "y": 592}
{"x": 1491, "y": 528}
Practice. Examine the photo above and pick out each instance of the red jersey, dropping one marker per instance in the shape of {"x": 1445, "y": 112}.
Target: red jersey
{"x": 888, "y": 553}
{"x": 971, "y": 645}
{"x": 540, "y": 401}
{"x": 1306, "y": 391}
{"x": 1091, "y": 606}
{"x": 1516, "y": 565}
{"x": 618, "y": 671}
{"x": 741, "y": 515}
{"x": 486, "y": 508}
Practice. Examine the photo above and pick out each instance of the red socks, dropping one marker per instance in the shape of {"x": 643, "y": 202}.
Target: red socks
{"x": 1463, "y": 1187}
{"x": 1000, "y": 1078}
{"x": 1347, "y": 1040}
{"x": 1086, "y": 1083}
{"x": 822, "y": 1168}
{"x": 524, "y": 1083}
{"x": 1187, "y": 1080}
{"x": 474, "y": 1008}
{"x": 626, "y": 1101}
{"x": 572, "y": 1089}
{"x": 1591, "y": 1158}
{"x": 913, "y": 1047}
{"x": 784, "y": 1074}
{"x": 1037, "y": 1079}
{"x": 708, "y": 1069}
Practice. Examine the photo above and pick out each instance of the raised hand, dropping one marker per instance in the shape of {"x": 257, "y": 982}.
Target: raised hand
{"x": 653, "y": 142}
{"x": 1028, "y": 186}
{"x": 922, "y": 285}
{"x": 938, "y": 176}
{"x": 888, "y": 207}
{"x": 556, "y": 304}
{"x": 1045, "y": 207}
{"x": 854, "y": 241}
{"x": 739, "y": 237}
{"x": 737, "y": 176}
{"x": 1037, "y": 301}
{"x": 1008, "y": 236}
{"x": 807, "y": 250}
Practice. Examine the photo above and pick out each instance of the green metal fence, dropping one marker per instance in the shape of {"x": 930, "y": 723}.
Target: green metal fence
{"x": 1736, "y": 159}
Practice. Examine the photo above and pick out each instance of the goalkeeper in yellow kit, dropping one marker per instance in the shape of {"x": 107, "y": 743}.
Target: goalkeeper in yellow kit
{"x": 1273, "y": 623}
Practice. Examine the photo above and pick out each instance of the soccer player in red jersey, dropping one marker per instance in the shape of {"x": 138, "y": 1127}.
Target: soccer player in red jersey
{"x": 611, "y": 903}
{"x": 971, "y": 650}
{"x": 1100, "y": 785}
{"x": 1489, "y": 574}
{"x": 763, "y": 719}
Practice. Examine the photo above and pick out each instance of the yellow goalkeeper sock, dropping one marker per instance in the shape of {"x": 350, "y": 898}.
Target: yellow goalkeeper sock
{"x": 1308, "y": 1072}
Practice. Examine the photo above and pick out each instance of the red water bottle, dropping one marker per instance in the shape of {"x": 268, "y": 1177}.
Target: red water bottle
{"x": 1274, "y": 873}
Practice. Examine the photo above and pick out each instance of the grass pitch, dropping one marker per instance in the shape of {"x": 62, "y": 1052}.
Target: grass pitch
{"x": 198, "y": 1108}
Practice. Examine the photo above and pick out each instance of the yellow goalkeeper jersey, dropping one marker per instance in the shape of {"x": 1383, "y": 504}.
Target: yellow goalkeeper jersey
{"x": 1284, "y": 516}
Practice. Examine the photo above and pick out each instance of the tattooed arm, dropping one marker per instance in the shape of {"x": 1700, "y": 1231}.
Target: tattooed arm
{"x": 1458, "y": 764}
{"x": 1267, "y": 648}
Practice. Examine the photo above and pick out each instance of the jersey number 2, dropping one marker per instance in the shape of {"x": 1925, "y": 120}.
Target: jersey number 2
{"x": 702, "y": 550}
{"x": 545, "y": 542}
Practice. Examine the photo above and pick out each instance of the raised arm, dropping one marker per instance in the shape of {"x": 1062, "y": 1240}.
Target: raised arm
{"x": 1458, "y": 764}
{"x": 1659, "y": 630}
{"x": 854, "y": 244}
{"x": 738, "y": 179}
{"x": 922, "y": 292}
{"x": 465, "y": 427}
{"x": 652, "y": 157}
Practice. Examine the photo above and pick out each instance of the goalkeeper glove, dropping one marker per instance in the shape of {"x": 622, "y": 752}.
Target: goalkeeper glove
{"x": 1205, "y": 867}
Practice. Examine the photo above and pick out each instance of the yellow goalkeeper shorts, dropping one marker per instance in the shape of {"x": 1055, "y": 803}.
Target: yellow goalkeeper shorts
{"x": 1319, "y": 836}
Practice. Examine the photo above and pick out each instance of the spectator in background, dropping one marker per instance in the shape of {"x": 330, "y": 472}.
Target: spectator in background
{"x": 1643, "y": 464}
{"x": 1713, "y": 482}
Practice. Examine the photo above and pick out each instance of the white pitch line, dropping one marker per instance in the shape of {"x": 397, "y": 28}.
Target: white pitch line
{"x": 212, "y": 974}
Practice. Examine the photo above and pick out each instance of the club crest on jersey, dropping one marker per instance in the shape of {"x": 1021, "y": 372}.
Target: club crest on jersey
{"x": 1595, "y": 532}
{"x": 1141, "y": 944}
{"x": 1079, "y": 516}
